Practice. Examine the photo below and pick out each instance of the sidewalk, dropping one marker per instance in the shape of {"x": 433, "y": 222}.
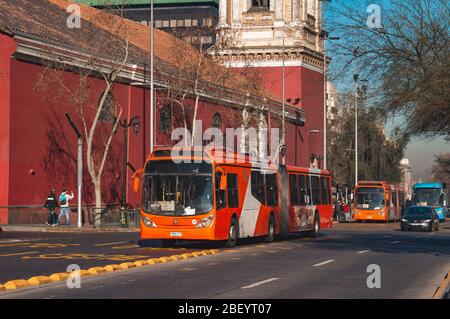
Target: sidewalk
{"x": 87, "y": 228}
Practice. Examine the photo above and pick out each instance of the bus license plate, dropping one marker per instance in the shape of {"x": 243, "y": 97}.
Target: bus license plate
{"x": 176, "y": 234}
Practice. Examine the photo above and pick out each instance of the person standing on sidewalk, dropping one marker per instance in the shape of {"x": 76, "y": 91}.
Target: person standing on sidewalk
{"x": 64, "y": 204}
{"x": 51, "y": 203}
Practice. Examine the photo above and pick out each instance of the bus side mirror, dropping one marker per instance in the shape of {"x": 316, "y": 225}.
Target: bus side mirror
{"x": 223, "y": 183}
{"x": 136, "y": 177}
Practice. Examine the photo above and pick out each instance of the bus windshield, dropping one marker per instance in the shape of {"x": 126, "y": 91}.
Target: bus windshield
{"x": 369, "y": 198}
{"x": 172, "y": 189}
{"x": 427, "y": 196}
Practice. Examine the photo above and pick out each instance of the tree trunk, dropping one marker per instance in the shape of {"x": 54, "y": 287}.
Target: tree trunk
{"x": 98, "y": 202}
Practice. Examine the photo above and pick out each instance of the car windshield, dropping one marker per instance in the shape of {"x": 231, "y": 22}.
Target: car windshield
{"x": 427, "y": 197}
{"x": 369, "y": 198}
{"x": 177, "y": 189}
{"x": 418, "y": 211}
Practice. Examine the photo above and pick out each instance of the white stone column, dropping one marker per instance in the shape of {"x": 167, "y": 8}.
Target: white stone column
{"x": 278, "y": 9}
{"x": 304, "y": 10}
{"x": 236, "y": 12}
{"x": 247, "y": 4}
{"x": 222, "y": 13}
{"x": 295, "y": 9}
{"x": 317, "y": 13}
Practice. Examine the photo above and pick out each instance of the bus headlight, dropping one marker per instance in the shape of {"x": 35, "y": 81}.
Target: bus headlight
{"x": 148, "y": 222}
{"x": 206, "y": 222}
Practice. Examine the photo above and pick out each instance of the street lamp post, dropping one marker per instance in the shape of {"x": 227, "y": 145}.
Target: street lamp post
{"x": 152, "y": 53}
{"x": 135, "y": 123}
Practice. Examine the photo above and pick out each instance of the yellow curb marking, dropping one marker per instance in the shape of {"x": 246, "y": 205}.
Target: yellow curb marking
{"x": 59, "y": 276}
{"x": 15, "y": 284}
{"x": 19, "y": 254}
{"x": 38, "y": 280}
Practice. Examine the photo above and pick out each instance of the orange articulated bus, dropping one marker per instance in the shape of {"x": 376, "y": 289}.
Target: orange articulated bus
{"x": 206, "y": 196}
{"x": 377, "y": 200}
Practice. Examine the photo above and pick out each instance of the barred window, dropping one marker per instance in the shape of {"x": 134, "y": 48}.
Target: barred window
{"x": 166, "y": 119}
{"x": 216, "y": 121}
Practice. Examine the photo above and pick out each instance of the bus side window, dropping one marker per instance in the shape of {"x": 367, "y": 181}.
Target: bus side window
{"x": 324, "y": 190}
{"x": 315, "y": 190}
{"x": 233, "y": 195}
{"x": 293, "y": 186}
{"x": 220, "y": 194}
{"x": 302, "y": 181}
{"x": 257, "y": 185}
{"x": 271, "y": 189}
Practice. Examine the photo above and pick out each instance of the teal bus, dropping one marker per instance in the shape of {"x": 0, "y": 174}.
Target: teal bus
{"x": 431, "y": 194}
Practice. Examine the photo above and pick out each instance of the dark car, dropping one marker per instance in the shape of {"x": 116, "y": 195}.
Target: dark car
{"x": 420, "y": 217}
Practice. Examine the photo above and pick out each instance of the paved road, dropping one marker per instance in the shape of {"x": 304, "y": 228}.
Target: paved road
{"x": 333, "y": 265}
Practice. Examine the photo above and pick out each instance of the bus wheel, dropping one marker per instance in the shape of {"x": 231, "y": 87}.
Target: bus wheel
{"x": 168, "y": 242}
{"x": 316, "y": 227}
{"x": 232, "y": 233}
{"x": 271, "y": 230}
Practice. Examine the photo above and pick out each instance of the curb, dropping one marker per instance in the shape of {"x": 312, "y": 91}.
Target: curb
{"x": 443, "y": 287}
{"x": 41, "y": 280}
{"x": 73, "y": 229}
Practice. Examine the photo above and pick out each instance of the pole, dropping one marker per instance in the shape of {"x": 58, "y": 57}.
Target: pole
{"x": 151, "y": 78}
{"x": 79, "y": 165}
{"x": 324, "y": 88}
{"x": 283, "y": 155}
{"x": 356, "y": 134}
{"x": 125, "y": 151}
{"x": 80, "y": 177}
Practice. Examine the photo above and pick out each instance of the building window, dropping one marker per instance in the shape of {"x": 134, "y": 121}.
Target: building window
{"x": 108, "y": 113}
{"x": 180, "y": 23}
{"x": 173, "y": 23}
{"x": 158, "y": 23}
{"x": 188, "y": 23}
{"x": 217, "y": 121}
{"x": 194, "y": 22}
{"x": 166, "y": 119}
{"x": 165, "y": 24}
{"x": 260, "y": 5}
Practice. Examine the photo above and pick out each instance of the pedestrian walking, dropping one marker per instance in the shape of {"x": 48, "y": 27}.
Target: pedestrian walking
{"x": 64, "y": 204}
{"x": 51, "y": 203}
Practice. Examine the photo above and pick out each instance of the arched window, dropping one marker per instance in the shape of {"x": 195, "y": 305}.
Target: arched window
{"x": 166, "y": 119}
{"x": 260, "y": 5}
{"x": 216, "y": 121}
{"x": 108, "y": 112}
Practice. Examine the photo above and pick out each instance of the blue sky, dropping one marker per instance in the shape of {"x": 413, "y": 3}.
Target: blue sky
{"x": 421, "y": 152}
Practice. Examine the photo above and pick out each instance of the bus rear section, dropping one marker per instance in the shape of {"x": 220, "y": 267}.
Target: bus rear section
{"x": 431, "y": 194}
{"x": 377, "y": 201}
{"x": 221, "y": 201}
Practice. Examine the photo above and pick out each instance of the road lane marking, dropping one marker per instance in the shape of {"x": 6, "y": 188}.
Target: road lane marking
{"x": 19, "y": 254}
{"x": 363, "y": 251}
{"x": 188, "y": 269}
{"x": 324, "y": 263}
{"x": 15, "y": 244}
{"x": 259, "y": 283}
{"x": 109, "y": 244}
{"x": 126, "y": 247}
{"x": 395, "y": 242}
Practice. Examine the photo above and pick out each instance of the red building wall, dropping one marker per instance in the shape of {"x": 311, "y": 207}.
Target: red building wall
{"x": 306, "y": 84}
{"x": 7, "y": 48}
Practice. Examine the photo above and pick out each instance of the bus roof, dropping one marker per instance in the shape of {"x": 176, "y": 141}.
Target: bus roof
{"x": 428, "y": 185}
{"x": 218, "y": 156}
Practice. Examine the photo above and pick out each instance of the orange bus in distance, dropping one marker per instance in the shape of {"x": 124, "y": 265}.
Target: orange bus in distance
{"x": 376, "y": 200}
{"x": 204, "y": 196}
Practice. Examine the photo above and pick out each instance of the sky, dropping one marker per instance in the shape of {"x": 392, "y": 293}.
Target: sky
{"x": 421, "y": 152}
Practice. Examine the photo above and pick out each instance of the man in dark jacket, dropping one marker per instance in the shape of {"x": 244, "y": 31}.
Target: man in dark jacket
{"x": 51, "y": 203}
